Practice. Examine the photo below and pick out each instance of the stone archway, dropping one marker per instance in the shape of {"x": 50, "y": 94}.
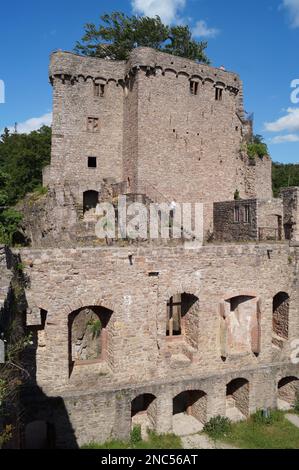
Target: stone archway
{"x": 189, "y": 412}
{"x": 287, "y": 391}
{"x": 237, "y": 399}
{"x": 144, "y": 413}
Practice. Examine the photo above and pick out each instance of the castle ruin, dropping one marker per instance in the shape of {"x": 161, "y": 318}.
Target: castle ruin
{"x": 142, "y": 331}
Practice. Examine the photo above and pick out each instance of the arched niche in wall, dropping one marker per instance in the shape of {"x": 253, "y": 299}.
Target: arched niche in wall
{"x": 240, "y": 326}
{"x": 88, "y": 335}
{"x": 90, "y": 201}
{"x": 280, "y": 319}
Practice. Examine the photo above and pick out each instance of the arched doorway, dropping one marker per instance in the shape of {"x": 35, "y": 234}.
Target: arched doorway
{"x": 90, "y": 201}
{"x": 237, "y": 399}
{"x": 189, "y": 412}
{"x": 144, "y": 412}
{"x": 39, "y": 435}
{"x": 287, "y": 392}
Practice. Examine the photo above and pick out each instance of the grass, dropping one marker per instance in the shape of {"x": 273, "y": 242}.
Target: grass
{"x": 250, "y": 434}
{"x": 155, "y": 441}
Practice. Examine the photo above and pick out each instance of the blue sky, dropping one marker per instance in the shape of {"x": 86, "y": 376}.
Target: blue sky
{"x": 258, "y": 39}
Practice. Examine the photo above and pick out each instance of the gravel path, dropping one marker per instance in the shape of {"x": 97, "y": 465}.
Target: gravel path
{"x": 294, "y": 419}
{"x": 201, "y": 441}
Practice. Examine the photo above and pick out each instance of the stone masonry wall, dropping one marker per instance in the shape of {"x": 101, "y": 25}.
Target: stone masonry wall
{"x": 62, "y": 281}
{"x": 227, "y": 229}
{"x": 291, "y": 213}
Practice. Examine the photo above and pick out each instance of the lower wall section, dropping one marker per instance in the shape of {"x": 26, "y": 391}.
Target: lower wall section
{"x": 77, "y": 419}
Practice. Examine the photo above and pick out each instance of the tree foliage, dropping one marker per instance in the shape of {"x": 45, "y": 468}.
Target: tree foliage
{"x": 118, "y": 34}
{"x": 257, "y": 147}
{"x": 284, "y": 175}
{"x": 22, "y": 158}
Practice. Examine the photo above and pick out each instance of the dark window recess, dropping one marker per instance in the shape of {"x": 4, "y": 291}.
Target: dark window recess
{"x": 193, "y": 87}
{"x": 92, "y": 162}
{"x": 218, "y": 94}
{"x": 96, "y": 89}
{"x": 99, "y": 90}
{"x": 247, "y": 214}
{"x": 237, "y": 214}
{"x": 92, "y": 124}
{"x": 90, "y": 200}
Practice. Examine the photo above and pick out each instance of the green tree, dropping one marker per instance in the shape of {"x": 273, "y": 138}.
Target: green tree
{"x": 118, "y": 34}
{"x": 22, "y": 158}
{"x": 284, "y": 175}
{"x": 257, "y": 147}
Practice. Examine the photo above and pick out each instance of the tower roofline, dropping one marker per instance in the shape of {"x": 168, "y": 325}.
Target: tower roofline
{"x": 72, "y": 64}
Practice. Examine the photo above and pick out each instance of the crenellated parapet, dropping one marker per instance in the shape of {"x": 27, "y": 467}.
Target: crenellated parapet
{"x": 151, "y": 59}
{"x": 72, "y": 67}
{"x": 67, "y": 66}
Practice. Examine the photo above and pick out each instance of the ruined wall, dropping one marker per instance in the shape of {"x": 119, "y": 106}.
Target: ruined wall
{"x": 270, "y": 219}
{"x": 264, "y": 220}
{"x": 226, "y": 226}
{"x": 99, "y": 416}
{"x": 64, "y": 280}
{"x": 291, "y": 213}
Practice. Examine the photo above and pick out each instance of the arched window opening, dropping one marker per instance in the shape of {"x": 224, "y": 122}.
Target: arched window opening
{"x": 237, "y": 399}
{"x": 90, "y": 201}
{"x": 287, "y": 392}
{"x": 280, "y": 319}
{"x": 189, "y": 411}
{"x": 88, "y": 335}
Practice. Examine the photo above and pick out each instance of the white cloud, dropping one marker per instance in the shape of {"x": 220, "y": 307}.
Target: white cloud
{"x": 289, "y": 123}
{"x": 293, "y": 9}
{"x": 281, "y": 139}
{"x": 202, "y": 30}
{"x": 167, "y": 9}
{"x": 32, "y": 124}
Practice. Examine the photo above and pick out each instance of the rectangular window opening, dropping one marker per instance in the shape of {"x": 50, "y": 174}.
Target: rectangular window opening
{"x": 174, "y": 316}
{"x": 247, "y": 214}
{"x": 96, "y": 90}
{"x": 218, "y": 94}
{"x": 92, "y": 162}
{"x": 193, "y": 87}
{"x": 99, "y": 90}
{"x": 92, "y": 124}
{"x": 237, "y": 214}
